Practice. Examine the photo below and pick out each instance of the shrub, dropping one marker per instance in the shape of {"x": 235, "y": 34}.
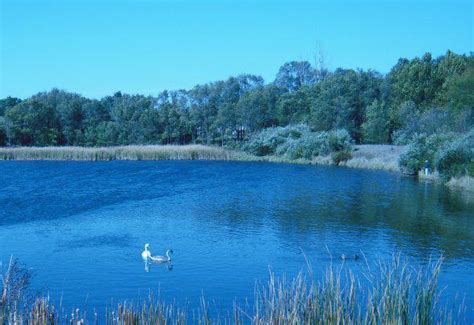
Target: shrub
{"x": 266, "y": 142}
{"x": 341, "y": 156}
{"x": 456, "y": 158}
{"x": 401, "y": 137}
{"x": 298, "y": 142}
{"x": 421, "y": 149}
{"x": 339, "y": 140}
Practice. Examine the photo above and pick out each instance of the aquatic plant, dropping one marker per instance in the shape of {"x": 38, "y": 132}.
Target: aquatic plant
{"x": 390, "y": 292}
{"x": 15, "y": 279}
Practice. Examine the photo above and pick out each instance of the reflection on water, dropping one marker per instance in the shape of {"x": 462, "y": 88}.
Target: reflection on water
{"x": 229, "y": 222}
{"x": 150, "y": 264}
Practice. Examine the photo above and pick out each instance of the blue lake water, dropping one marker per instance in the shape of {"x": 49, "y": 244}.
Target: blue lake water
{"x": 80, "y": 226}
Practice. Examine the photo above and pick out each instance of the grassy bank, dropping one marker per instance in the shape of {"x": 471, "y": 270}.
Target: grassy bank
{"x": 387, "y": 293}
{"x": 150, "y": 152}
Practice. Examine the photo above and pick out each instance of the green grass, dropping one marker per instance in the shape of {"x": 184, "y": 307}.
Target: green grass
{"x": 387, "y": 293}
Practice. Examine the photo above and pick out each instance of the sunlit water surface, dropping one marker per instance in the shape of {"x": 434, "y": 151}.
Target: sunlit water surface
{"x": 80, "y": 227}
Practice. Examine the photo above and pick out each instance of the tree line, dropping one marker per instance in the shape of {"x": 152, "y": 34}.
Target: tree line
{"x": 422, "y": 95}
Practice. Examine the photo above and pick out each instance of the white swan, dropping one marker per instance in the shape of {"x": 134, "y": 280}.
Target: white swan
{"x": 146, "y": 254}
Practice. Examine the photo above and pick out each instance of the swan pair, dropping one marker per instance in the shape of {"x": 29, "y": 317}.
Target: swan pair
{"x": 146, "y": 255}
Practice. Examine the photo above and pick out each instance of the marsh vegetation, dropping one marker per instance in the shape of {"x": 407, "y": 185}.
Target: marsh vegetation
{"x": 388, "y": 293}
{"x": 150, "y": 152}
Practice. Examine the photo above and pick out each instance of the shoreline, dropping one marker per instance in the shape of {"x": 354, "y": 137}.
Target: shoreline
{"x": 375, "y": 157}
{"x": 364, "y": 156}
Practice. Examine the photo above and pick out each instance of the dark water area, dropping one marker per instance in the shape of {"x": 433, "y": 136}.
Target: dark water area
{"x": 80, "y": 227}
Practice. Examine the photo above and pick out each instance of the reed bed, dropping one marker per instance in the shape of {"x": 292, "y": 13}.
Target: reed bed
{"x": 389, "y": 292}
{"x": 135, "y": 152}
{"x": 463, "y": 182}
{"x": 383, "y": 157}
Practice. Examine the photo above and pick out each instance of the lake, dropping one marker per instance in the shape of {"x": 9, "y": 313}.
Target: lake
{"x": 80, "y": 227}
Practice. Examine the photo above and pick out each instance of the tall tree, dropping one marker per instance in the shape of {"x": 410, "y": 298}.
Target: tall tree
{"x": 33, "y": 123}
{"x": 295, "y": 74}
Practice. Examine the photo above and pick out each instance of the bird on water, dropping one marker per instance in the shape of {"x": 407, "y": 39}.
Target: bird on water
{"x": 344, "y": 257}
{"x": 146, "y": 255}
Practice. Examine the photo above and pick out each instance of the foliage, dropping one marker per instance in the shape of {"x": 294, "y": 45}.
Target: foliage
{"x": 423, "y": 148}
{"x": 296, "y": 74}
{"x": 33, "y": 123}
{"x": 7, "y": 103}
{"x": 456, "y": 158}
{"x": 295, "y": 107}
{"x": 3, "y": 132}
{"x": 429, "y": 122}
{"x": 340, "y": 100}
{"x": 420, "y": 97}
{"x": 298, "y": 142}
{"x": 341, "y": 156}
{"x": 268, "y": 140}
{"x": 424, "y": 80}
{"x": 460, "y": 90}
{"x": 376, "y": 126}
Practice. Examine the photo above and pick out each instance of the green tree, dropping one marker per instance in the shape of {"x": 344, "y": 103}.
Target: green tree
{"x": 295, "y": 74}
{"x": 341, "y": 98}
{"x": 7, "y": 103}
{"x": 257, "y": 108}
{"x": 295, "y": 107}
{"x": 376, "y": 127}
{"x": 3, "y": 132}
{"x": 33, "y": 123}
{"x": 460, "y": 90}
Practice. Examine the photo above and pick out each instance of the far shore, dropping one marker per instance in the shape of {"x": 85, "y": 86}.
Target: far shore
{"x": 379, "y": 157}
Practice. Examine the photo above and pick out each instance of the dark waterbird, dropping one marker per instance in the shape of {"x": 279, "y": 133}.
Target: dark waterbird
{"x": 345, "y": 257}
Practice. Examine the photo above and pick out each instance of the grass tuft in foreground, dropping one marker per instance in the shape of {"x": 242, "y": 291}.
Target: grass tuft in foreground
{"x": 387, "y": 293}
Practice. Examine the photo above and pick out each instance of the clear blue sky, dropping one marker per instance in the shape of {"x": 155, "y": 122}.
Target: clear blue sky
{"x": 98, "y": 47}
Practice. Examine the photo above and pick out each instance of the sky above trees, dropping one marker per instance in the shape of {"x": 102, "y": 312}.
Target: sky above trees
{"x": 98, "y": 47}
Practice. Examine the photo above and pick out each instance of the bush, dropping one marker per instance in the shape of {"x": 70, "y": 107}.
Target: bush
{"x": 422, "y": 148}
{"x": 266, "y": 142}
{"x": 298, "y": 142}
{"x": 341, "y": 156}
{"x": 339, "y": 140}
{"x": 451, "y": 154}
{"x": 456, "y": 158}
{"x": 402, "y": 137}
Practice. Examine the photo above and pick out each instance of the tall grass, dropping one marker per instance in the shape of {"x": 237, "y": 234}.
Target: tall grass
{"x": 151, "y": 152}
{"x": 463, "y": 182}
{"x": 383, "y": 157}
{"x": 365, "y": 156}
{"x": 387, "y": 293}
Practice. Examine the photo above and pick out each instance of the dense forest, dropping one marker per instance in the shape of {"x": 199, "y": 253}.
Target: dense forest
{"x": 424, "y": 95}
